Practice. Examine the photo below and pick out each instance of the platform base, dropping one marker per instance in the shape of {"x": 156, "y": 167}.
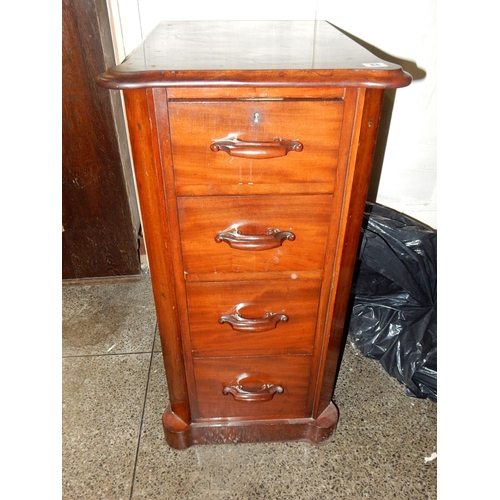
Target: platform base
{"x": 180, "y": 435}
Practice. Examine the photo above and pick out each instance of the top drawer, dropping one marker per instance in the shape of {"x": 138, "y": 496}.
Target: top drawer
{"x": 255, "y": 146}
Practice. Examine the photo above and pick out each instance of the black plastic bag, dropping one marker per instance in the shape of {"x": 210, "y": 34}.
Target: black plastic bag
{"x": 394, "y": 314}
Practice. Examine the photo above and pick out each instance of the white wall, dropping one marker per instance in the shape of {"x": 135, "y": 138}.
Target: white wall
{"x": 405, "y": 31}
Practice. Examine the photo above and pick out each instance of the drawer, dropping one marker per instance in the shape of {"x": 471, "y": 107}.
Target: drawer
{"x": 252, "y": 387}
{"x": 255, "y": 146}
{"x": 223, "y": 236}
{"x": 277, "y": 317}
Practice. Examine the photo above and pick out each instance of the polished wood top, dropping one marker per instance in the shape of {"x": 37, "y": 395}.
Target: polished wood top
{"x": 269, "y": 53}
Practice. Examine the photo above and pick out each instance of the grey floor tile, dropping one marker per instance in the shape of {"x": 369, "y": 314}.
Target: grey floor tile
{"x": 103, "y": 400}
{"x": 157, "y": 345}
{"x": 108, "y": 318}
{"x": 378, "y": 452}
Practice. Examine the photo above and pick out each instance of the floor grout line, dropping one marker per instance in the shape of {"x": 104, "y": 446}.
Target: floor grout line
{"x": 152, "y": 352}
{"x": 67, "y": 356}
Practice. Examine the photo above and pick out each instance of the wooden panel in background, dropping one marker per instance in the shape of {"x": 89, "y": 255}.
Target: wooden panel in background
{"x": 100, "y": 236}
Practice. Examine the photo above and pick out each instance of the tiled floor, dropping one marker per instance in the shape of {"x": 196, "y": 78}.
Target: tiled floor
{"x": 114, "y": 393}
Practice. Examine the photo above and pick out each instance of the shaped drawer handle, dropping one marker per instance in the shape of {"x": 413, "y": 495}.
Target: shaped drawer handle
{"x": 274, "y": 238}
{"x": 253, "y": 325}
{"x": 264, "y": 393}
{"x": 258, "y": 150}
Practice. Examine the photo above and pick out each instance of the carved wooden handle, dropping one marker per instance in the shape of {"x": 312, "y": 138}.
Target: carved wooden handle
{"x": 274, "y": 238}
{"x": 265, "y": 393}
{"x": 258, "y": 150}
{"x": 253, "y": 325}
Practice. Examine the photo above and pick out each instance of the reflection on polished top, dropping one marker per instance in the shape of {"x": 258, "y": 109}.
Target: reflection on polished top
{"x": 192, "y": 52}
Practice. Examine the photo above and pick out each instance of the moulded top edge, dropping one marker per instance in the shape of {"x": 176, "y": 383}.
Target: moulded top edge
{"x": 251, "y": 52}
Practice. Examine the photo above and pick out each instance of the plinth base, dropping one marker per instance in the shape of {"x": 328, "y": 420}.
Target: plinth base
{"x": 180, "y": 435}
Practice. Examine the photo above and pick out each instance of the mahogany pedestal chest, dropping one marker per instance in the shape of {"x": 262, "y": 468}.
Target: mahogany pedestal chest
{"x": 252, "y": 146}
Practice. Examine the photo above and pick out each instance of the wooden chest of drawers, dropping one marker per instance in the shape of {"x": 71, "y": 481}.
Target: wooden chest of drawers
{"x": 252, "y": 145}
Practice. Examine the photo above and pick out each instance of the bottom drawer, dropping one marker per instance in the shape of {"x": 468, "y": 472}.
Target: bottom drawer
{"x": 252, "y": 387}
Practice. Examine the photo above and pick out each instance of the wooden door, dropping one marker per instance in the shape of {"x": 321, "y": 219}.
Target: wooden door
{"x": 100, "y": 215}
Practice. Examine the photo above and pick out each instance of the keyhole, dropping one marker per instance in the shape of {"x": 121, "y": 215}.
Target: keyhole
{"x": 256, "y": 117}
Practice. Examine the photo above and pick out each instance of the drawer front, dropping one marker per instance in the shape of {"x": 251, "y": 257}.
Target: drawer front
{"x": 234, "y": 235}
{"x": 255, "y": 146}
{"x": 252, "y": 387}
{"x": 234, "y": 318}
